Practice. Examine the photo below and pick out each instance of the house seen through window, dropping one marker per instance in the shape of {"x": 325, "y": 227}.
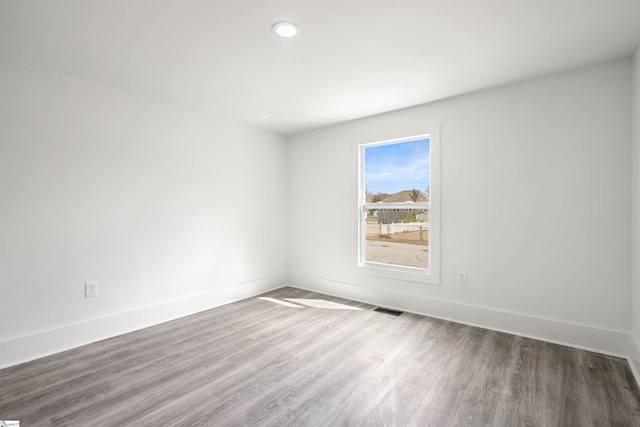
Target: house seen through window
{"x": 395, "y": 203}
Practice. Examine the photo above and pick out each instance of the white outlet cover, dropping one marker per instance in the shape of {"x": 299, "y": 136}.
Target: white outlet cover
{"x": 462, "y": 278}
{"x": 90, "y": 289}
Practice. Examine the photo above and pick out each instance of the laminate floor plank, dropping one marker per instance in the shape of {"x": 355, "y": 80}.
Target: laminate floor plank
{"x": 447, "y": 380}
{"x": 150, "y": 371}
{"x": 398, "y": 406}
{"x": 105, "y": 355}
{"x": 325, "y": 379}
{"x": 302, "y": 357}
{"x": 355, "y": 408}
{"x": 520, "y": 401}
{"x": 403, "y": 350}
{"x": 326, "y": 361}
{"x": 227, "y": 352}
{"x": 306, "y": 405}
{"x": 325, "y": 395}
{"x": 490, "y": 389}
{"x": 405, "y": 357}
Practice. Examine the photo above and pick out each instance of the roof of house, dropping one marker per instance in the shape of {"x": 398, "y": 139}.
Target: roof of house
{"x": 400, "y": 197}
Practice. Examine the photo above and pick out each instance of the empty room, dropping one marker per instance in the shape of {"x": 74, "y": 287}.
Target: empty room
{"x": 319, "y": 213}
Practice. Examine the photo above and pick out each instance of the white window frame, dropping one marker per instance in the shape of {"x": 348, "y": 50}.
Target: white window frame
{"x": 432, "y": 274}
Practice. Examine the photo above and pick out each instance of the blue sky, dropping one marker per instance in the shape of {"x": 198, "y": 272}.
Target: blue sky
{"x": 396, "y": 167}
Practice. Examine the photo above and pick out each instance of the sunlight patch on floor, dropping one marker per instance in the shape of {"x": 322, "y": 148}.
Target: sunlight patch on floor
{"x": 320, "y": 303}
{"x": 285, "y": 303}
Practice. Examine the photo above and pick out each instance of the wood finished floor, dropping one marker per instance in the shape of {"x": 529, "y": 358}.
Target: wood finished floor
{"x": 259, "y": 363}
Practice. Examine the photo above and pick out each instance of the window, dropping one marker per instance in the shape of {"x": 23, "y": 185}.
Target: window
{"x": 398, "y": 207}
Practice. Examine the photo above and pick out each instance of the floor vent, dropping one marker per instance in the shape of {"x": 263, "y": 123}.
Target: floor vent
{"x": 388, "y": 311}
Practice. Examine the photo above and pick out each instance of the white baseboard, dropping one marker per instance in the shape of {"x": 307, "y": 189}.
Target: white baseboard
{"x": 44, "y": 343}
{"x": 634, "y": 356}
{"x": 600, "y": 340}
{"x": 33, "y": 346}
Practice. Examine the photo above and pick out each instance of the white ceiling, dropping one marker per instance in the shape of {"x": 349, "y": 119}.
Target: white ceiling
{"x": 352, "y": 58}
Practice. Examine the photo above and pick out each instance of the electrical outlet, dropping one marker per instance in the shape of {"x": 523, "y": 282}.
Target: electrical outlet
{"x": 462, "y": 278}
{"x": 91, "y": 289}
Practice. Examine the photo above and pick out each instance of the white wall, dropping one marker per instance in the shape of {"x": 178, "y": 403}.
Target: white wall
{"x": 535, "y": 208}
{"x": 98, "y": 184}
{"x": 635, "y": 252}
{"x": 169, "y": 211}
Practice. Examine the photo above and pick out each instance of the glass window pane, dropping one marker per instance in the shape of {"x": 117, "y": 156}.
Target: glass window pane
{"x": 398, "y": 172}
{"x": 397, "y": 238}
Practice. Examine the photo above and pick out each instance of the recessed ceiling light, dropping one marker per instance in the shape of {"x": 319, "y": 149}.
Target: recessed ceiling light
{"x": 285, "y": 29}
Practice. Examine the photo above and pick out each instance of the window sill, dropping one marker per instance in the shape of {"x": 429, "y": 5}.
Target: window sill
{"x": 400, "y": 273}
